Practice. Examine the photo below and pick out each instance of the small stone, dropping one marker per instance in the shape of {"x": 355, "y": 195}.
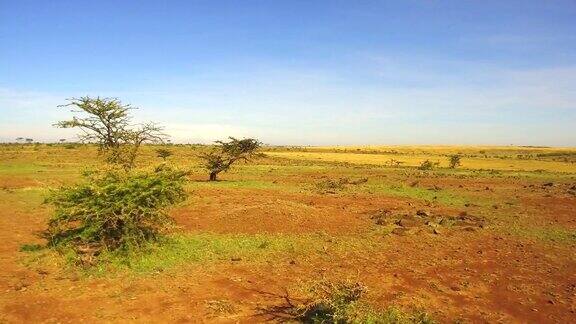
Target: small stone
{"x": 409, "y": 222}
{"x": 423, "y": 213}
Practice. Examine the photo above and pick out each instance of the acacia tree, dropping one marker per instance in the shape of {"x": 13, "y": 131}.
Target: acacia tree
{"x": 106, "y": 121}
{"x": 225, "y": 154}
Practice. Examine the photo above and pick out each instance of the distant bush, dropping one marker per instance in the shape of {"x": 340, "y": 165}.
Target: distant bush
{"x": 428, "y": 165}
{"x": 114, "y": 210}
{"x": 454, "y": 161}
{"x": 163, "y": 153}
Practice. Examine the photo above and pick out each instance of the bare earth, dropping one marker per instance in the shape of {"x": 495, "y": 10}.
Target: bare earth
{"x": 517, "y": 267}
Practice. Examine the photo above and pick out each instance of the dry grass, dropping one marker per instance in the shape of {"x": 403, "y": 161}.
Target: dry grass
{"x": 470, "y": 161}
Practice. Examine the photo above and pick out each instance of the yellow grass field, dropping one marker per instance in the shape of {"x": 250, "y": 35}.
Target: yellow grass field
{"x": 473, "y": 157}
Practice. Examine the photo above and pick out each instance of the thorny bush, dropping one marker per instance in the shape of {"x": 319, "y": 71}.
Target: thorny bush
{"x": 114, "y": 210}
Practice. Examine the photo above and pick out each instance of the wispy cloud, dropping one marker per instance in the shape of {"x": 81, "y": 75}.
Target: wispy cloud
{"x": 480, "y": 103}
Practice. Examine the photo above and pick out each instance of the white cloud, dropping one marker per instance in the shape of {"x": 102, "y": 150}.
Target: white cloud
{"x": 482, "y": 104}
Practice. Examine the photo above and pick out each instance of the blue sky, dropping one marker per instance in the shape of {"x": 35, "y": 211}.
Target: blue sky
{"x": 299, "y": 72}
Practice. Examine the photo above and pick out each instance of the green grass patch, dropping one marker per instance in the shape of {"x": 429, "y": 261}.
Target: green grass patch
{"x": 20, "y": 168}
{"x": 31, "y": 247}
{"x": 23, "y": 199}
{"x": 179, "y": 250}
{"x": 182, "y": 249}
{"x": 549, "y": 234}
{"x": 239, "y": 184}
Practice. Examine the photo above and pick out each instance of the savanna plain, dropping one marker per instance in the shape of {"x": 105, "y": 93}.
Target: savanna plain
{"x": 491, "y": 240}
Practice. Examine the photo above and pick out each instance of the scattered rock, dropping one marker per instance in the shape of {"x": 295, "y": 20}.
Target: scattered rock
{"x": 408, "y": 221}
{"x": 548, "y": 184}
{"x": 381, "y": 217}
{"x": 423, "y": 213}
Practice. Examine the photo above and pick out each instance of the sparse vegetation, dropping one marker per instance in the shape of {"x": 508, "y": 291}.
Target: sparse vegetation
{"x": 110, "y": 213}
{"x": 341, "y": 302}
{"x": 272, "y": 218}
{"x": 332, "y": 185}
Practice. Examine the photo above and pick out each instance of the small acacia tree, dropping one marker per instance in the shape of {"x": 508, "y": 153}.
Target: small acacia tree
{"x": 163, "y": 153}
{"x": 455, "y": 161}
{"x": 225, "y": 154}
{"x": 106, "y": 121}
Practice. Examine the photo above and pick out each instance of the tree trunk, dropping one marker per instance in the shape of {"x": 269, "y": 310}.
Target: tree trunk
{"x": 213, "y": 176}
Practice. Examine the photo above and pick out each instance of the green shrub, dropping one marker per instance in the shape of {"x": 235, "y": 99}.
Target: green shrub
{"x": 332, "y": 302}
{"x": 428, "y": 165}
{"x": 341, "y": 302}
{"x": 454, "y": 161}
{"x": 114, "y": 210}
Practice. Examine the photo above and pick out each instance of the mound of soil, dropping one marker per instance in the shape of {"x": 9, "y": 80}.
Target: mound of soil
{"x": 424, "y": 220}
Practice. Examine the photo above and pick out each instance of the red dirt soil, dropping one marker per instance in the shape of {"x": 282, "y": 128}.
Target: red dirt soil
{"x": 479, "y": 276}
